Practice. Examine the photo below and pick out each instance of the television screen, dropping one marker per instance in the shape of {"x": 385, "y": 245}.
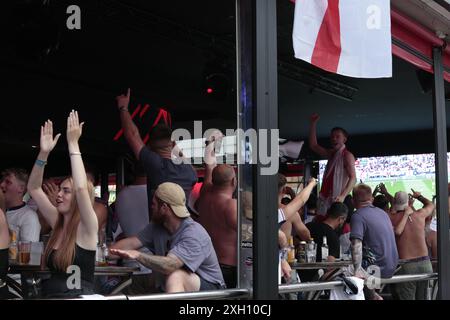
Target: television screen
{"x": 398, "y": 173}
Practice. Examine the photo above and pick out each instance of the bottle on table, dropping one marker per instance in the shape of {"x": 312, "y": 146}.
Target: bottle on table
{"x": 291, "y": 252}
{"x": 311, "y": 251}
{"x": 324, "y": 249}
{"x": 13, "y": 250}
{"x": 102, "y": 249}
{"x": 301, "y": 252}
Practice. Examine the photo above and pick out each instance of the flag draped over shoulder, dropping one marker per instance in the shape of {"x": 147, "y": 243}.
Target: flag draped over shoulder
{"x": 348, "y": 37}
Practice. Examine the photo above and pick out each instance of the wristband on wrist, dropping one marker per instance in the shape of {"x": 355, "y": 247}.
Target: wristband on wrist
{"x": 40, "y": 163}
{"x": 123, "y": 108}
{"x": 75, "y": 153}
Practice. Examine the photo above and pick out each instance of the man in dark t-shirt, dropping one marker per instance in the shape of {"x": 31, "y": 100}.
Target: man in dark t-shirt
{"x": 160, "y": 169}
{"x": 336, "y": 216}
{"x": 157, "y": 157}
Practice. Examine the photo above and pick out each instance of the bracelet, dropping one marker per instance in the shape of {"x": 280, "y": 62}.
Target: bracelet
{"x": 123, "y": 108}
{"x": 40, "y": 163}
{"x": 75, "y": 153}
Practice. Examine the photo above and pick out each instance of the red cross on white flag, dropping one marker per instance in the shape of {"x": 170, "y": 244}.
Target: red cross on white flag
{"x": 348, "y": 37}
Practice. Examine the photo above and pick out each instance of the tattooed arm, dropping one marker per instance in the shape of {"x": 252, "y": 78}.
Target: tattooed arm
{"x": 357, "y": 254}
{"x": 166, "y": 265}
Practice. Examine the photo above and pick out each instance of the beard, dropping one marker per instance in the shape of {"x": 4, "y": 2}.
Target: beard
{"x": 157, "y": 219}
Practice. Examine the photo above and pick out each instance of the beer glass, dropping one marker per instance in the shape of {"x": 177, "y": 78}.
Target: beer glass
{"x": 24, "y": 249}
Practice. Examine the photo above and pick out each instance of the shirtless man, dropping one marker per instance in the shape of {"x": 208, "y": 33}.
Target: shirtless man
{"x": 409, "y": 227}
{"x": 218, "y": 212}
{"x": 340, "y": 176}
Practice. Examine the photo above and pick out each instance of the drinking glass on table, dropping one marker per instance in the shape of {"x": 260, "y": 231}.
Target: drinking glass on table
{"x": 37, "y": 252}
{"x": 24, "y": 249}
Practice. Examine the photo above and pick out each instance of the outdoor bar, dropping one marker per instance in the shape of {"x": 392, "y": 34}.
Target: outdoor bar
{"x": 225, "y": 150}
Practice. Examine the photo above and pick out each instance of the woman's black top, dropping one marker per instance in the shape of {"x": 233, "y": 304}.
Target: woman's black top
{"x": 65, "y": 284}
{"x": 3, "y": 272}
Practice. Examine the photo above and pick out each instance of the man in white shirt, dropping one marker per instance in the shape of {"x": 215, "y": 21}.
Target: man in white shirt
{"x": 21, "y": 217}
{"x": 132, "y": 209}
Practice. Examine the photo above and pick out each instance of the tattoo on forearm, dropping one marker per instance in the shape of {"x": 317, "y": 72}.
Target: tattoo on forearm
{"x": 357, "y": 254}
{"x": 161, "y": 264}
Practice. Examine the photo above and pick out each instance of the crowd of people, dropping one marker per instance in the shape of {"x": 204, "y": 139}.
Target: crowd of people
{"x": 174, "y": 252}
{"x": 179, "y": 248}
{"x": 379, "y": 229}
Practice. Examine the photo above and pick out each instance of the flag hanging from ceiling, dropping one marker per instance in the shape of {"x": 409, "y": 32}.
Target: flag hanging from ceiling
{"x": 348, "y": 37}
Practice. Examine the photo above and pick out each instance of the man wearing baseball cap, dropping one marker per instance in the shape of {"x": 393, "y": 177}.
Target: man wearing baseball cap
{"x": 183, "y": 251}
{"x": 409, "y": 228}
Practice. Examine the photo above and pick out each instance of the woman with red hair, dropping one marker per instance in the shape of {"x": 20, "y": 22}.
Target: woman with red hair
{"x": 70, "y": 251}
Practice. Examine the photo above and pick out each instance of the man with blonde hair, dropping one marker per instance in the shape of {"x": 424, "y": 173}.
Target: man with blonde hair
{"x": 340, "y": 176}
{"x": 20, "y": 216}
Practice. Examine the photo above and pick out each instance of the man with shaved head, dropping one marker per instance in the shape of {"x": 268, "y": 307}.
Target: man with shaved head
{"x": 218, "y": 212}
{"x": 222, "y": 175}
{"x": 372, "y": 230}
{"x": 409, "y": 228}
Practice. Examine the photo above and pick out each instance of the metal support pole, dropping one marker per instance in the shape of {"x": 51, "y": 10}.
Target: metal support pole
{"x": 265, "y": 227}
{"x": 245, "y": 111}
{"x": 440, "y": 130}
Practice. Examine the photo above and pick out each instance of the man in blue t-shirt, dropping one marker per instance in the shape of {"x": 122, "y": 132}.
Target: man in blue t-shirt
{"x": 183, "y": 251}
{"x": 157, "y": 157}
{"x": 372, "y": 236}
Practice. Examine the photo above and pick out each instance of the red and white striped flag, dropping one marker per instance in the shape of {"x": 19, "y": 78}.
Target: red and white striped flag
{"x": 349, "y": 37}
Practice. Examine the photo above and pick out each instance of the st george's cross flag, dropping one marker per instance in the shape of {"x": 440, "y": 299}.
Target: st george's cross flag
{"x": 348, "y": 37}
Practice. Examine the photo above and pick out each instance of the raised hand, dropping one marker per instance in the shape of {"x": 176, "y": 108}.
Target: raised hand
{"x": 215, "y": 137}
{"x": 415, "y": 194}
{"x": 312, "y": 181}
{"x": 47, "y": 140}
{"x": 123, "y": 100}
{"x": 212, "y": 145}
{"x": 314, "y": 118}
{"x": 74, "y": 128}
{"x": 51, "y": 190}
{"x": 383, "y": 189}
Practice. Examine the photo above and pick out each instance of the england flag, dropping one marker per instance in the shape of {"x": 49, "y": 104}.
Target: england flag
{"x": 348, "y": 37}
